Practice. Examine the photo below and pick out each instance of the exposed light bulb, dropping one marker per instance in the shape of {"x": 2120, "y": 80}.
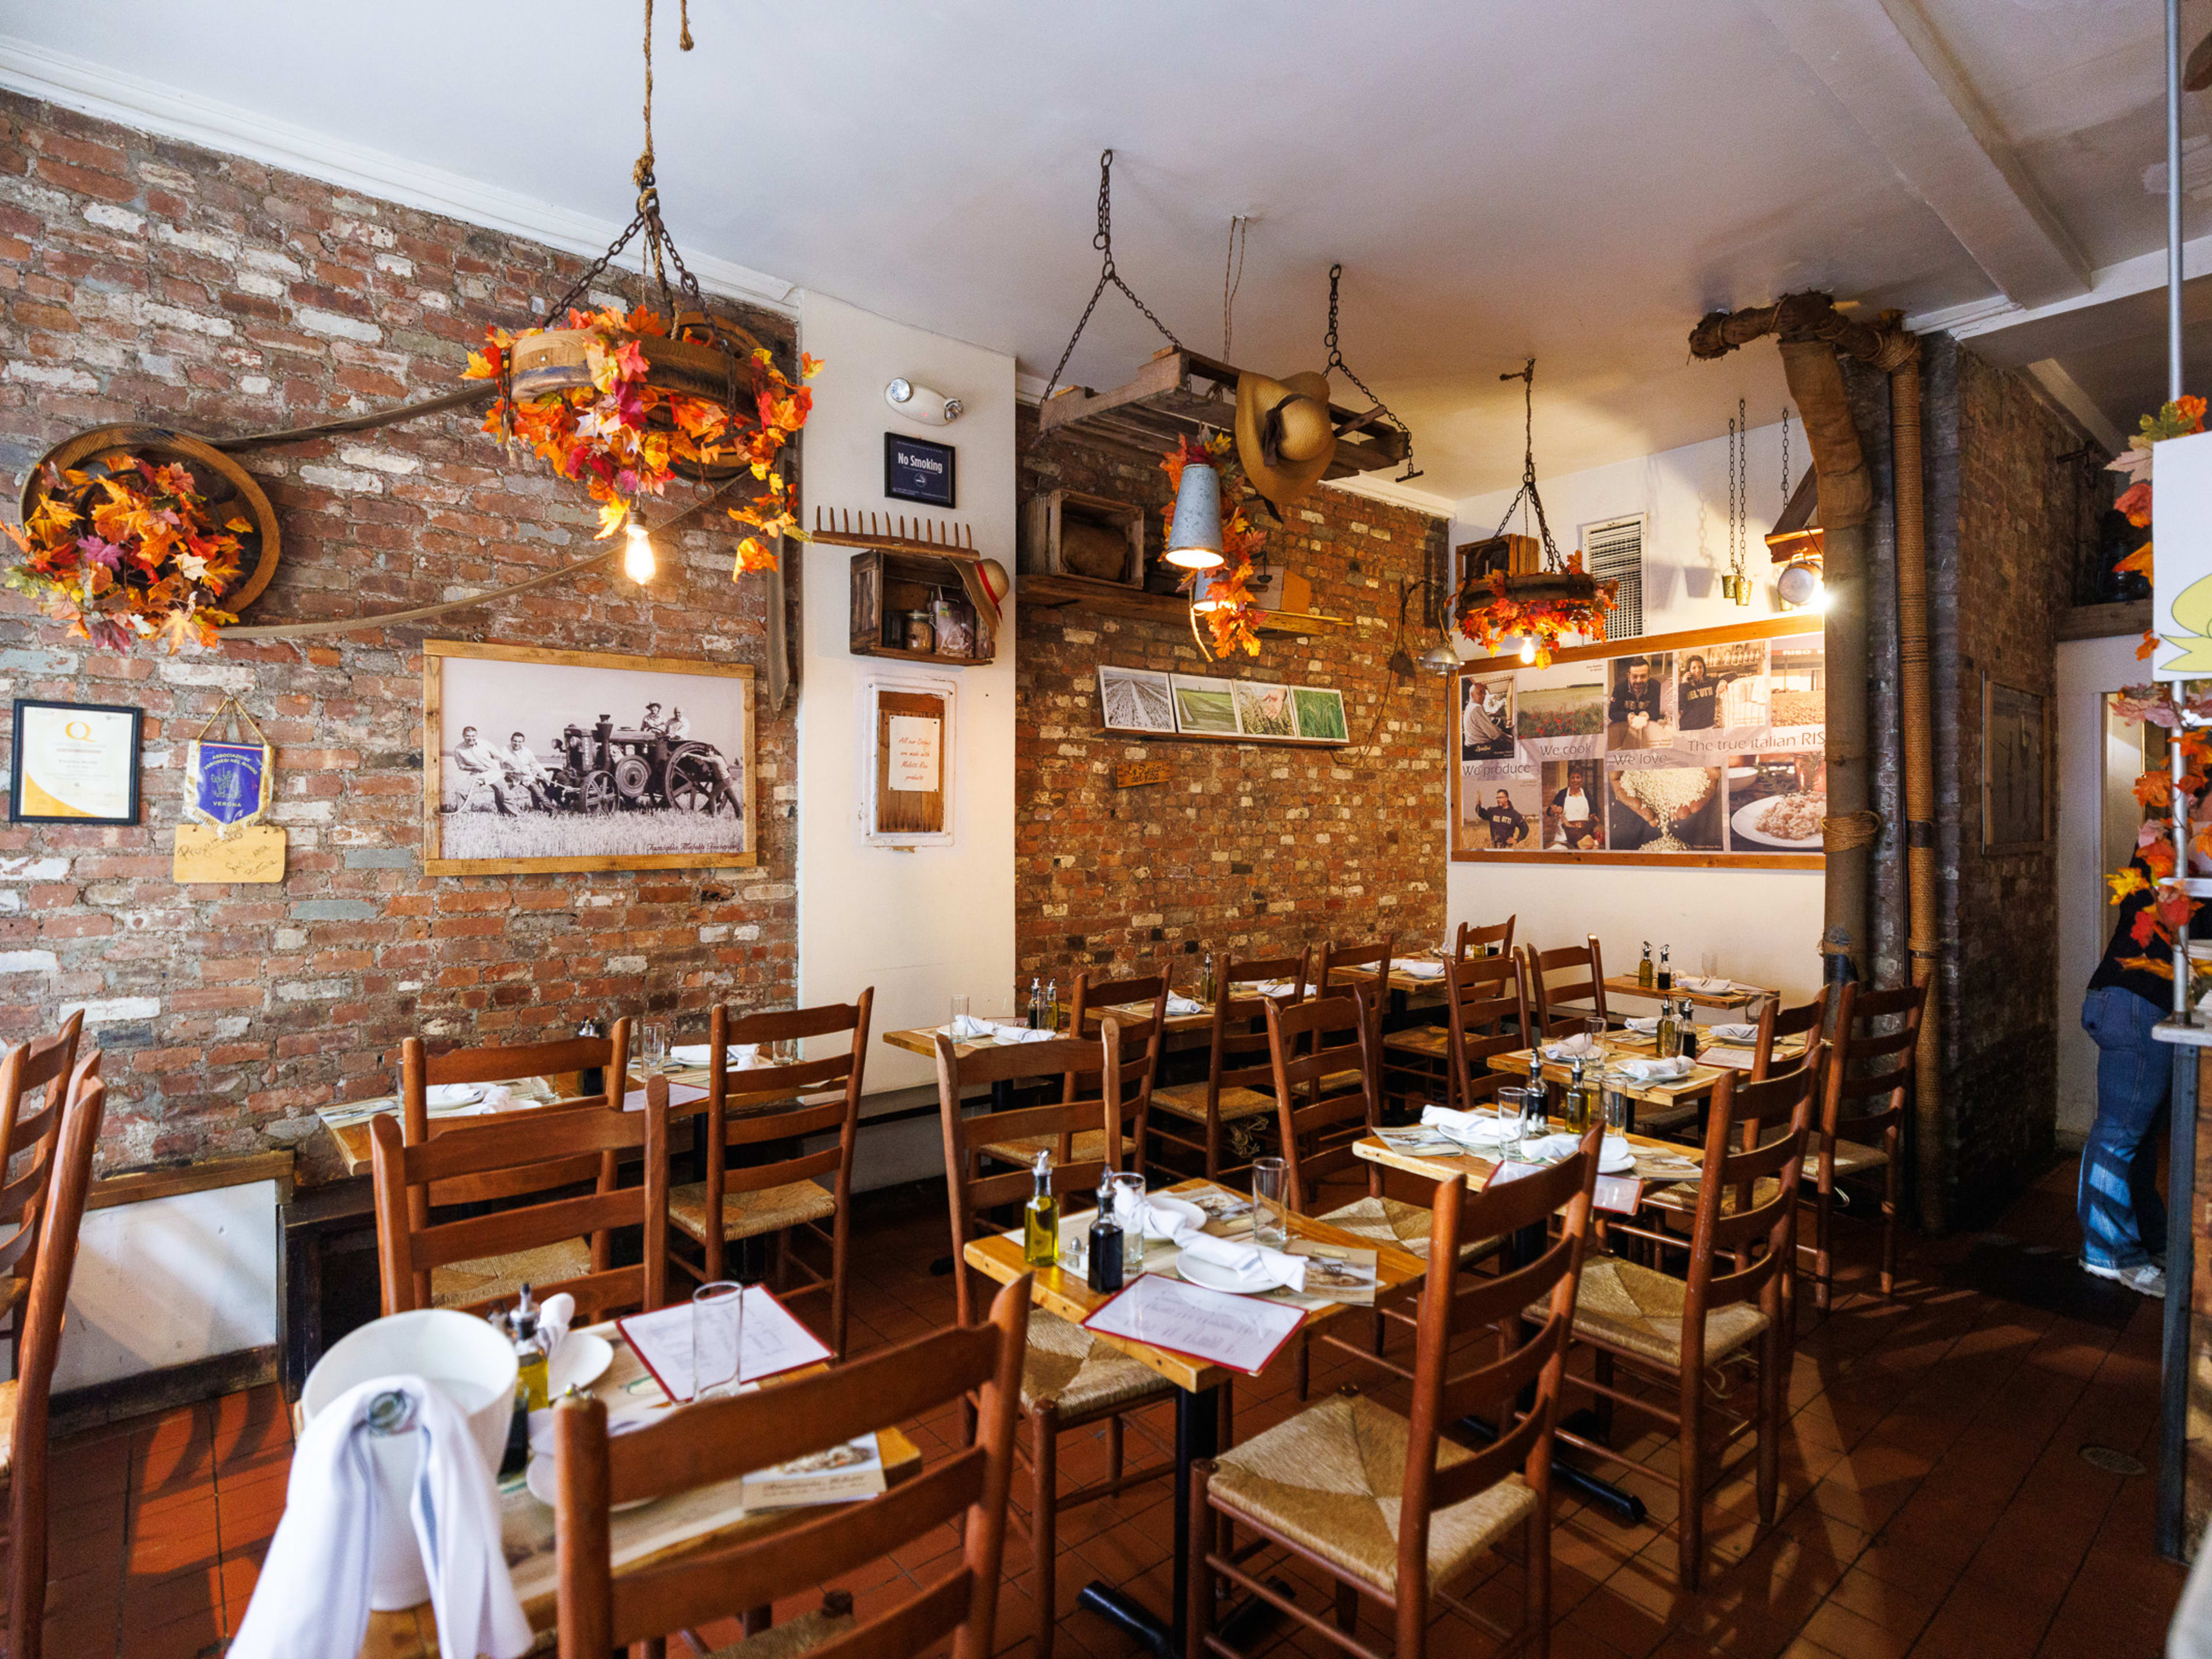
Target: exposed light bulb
{"x": 1528, "y": 647}
{"x": 638, "y": 563}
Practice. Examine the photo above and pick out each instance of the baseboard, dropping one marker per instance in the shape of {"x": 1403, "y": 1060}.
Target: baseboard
{"x": 103, "y": 1403}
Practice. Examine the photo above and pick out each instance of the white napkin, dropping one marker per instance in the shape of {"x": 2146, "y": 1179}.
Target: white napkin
{"x": 438, "y": 1095}
{"x": 1616, "y": 1154}
{"x": 1644, "y": 1024}
{"x": 966, "y": 1028}
{"x": 693, "y": 1053}
{"x": 1256, "y": 1267}
{"x": 1275, "y": 987}
{"x": 1713, "y": 985}
{"x": 1021, "y": 1033}
{"x": 1179, "y": 1004}
{"x": 1548, "y": 1148}
{"x": 1658, "y": 1070}
{"x": 497, "y": 1097}
{"x": 1569, "y": 1047}
{"x": 1167, "y": 1218}
{"x": 555, "y": 1314}
{"x": 311, "y": 1601}
{"x": 1736, "y": 1031}
{"x": 1418, "y": 967}
{"x": 1481, "y": 1130}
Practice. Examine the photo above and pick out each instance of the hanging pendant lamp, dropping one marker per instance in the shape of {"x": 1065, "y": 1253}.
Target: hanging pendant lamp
{"x": 1194, "y": 534}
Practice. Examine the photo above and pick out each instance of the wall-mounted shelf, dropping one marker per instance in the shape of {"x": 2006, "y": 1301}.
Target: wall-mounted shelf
{"x": 886, "y": 586}
{"x": 1047, "y": 593}
{"x": 1222, "y": 737}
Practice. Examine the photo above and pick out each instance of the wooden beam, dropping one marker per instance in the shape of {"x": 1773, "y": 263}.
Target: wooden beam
{"x": 137, "y": 1185}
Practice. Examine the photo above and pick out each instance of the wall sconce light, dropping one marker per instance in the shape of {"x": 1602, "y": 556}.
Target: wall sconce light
{"x": 638, "y": 562}
{"x": 1194, "y": 537}
{"x": 922, "y": 405}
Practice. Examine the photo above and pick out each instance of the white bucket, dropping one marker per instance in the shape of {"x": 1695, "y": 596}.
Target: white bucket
{"x": 467, "y": 1361}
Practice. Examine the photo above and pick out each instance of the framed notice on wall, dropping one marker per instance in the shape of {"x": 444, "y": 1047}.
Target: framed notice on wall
{"x": 916, "y": 470}
{"x": 73, "y": 762}
{"x": 1701, "y": 748}
{"x": 906, "y": 785}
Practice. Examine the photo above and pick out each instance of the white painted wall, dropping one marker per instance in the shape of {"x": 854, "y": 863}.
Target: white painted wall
{"x": 1764, "y": 925}
{"x": 917, "y": 925}
{"x": 170, "y": 1281}
{"x": 2087, "y": 669}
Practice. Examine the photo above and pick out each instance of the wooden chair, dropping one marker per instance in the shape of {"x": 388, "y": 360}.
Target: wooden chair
{"x": 1676, "y": 1330}
{"x": 1418, "y": 1058}
{"x": 783, "y": 1197}
{"x": 1484, "y": 1014}
{"x": 1371, "y": 989}
{"x": 501, "y": 1278}
{"x": 64, "y": 1173}
{"x": 44, "y": 1068}
{"x": 1476, "y": 941}
{"x": 1387, "y": 1506}
{"x": 602, "y": 1609}
{"x": 1233, "y": 1102}
{"x": 1140, "y": 1039}
{"x": 1069, "y": 1379}
{"x": 1584, "y": 966}
{"x": 1869, "y": 1085}
{"x": 1808, "y": 1020}
{"x": 585, "y": 1135}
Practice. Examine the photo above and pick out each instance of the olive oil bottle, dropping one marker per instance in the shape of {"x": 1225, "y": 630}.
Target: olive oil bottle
{"x": 1041, "y": 1220}
{"x": 1644, "y": 969}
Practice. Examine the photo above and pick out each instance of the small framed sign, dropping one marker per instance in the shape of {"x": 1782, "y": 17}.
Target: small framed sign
{"x": 73, "y": 762}
{"x": 916, "y": 470}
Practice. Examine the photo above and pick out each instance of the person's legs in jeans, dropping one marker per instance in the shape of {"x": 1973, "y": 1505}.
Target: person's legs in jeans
{"x": 2123, "y": 1217}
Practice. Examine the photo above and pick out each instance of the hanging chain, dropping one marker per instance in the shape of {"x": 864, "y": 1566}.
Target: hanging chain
{"x": 1337, "y": 364}
{"x": 1103, "y": 241}
{"x": 1785, "y": 457}
{"x": 1527, "y": 496}
{"x": 660, "y": 251}
{"x": 1232, "y": 278}
{"x": 1739, "y": 488}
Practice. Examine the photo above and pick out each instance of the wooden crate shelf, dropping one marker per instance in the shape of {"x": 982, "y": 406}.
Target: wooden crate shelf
{"x": 1047, "y": 593}
{"x": 1179, "y": 393}
{"x": 887, "y": 584}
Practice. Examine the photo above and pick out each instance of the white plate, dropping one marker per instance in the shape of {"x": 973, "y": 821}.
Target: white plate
{"x": 582, "y": 1360}
{"x": 1620, "y": 1162}
{"x": 538, "y": 1477}
{"x": 1216, "y": 1277}
{"x": 1746, "y": 816}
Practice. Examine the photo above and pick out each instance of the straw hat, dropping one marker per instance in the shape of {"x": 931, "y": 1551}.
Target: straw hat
{"x": 996, "y": 583}
{"x": 1283, "y": 434}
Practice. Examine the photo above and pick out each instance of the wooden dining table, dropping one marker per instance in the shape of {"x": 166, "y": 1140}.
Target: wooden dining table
{"x": 663, "y": 1530}
{"x": 1674, "y": 1098}
{"x": 1198, "y": 1391}
{"x": 1741, "y": 996}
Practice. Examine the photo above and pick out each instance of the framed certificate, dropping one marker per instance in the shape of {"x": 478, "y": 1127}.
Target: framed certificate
{"x": 73, "y": 762}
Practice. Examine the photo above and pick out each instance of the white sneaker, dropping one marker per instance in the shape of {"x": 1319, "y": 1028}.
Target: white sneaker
{"x": 2146, "y": 1279}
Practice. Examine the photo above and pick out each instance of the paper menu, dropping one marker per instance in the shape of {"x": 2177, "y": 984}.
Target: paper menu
{"x": 1239, "y": 1332}
{"x": 1334, "y": 1274}
{"x": 679, "y": 1093}
{"x": 843, "y": 1473}
{"x": 774, "y": 1342}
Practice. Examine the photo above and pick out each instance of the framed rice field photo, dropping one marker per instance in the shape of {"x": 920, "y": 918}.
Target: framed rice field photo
{"x": 1264, "y": 710}
{"x": 1135, "y": 700}
{"x": 1319, "y": 712}
{"x": 1204, "y": 706}
{"x": 580, "y": 760}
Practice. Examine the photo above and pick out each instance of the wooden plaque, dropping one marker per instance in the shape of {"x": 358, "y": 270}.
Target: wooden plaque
{"x": 253, "y": 852}
{"x": 1136, "y": 774}
{"x": 901, "y": 808}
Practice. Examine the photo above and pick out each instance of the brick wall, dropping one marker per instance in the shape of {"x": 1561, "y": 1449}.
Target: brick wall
{"x": 143, "y": 280}
{"x": 2004, "y": 520}
{"x": 1250, "y": 849}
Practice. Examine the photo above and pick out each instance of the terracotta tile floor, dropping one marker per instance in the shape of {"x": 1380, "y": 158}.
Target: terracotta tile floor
{"x": 1934, "y": 1502}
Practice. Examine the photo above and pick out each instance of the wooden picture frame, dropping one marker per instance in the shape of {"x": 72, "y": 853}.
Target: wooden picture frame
{"x": 1679, "y": 645}
{"x": 75, "y": 763}
{"x": 607, "y": 779}
{"x": 920, "y": 470}
{"x": 909, "y": 739}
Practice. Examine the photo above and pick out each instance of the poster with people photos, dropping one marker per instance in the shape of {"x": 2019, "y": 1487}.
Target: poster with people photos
{"x": 1711, "y": 749}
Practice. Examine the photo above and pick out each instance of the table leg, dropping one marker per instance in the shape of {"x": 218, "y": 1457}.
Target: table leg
{"x": 1198, "y": 1434}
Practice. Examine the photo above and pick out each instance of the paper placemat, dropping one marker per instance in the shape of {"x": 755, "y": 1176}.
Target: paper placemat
{"x": 774, "y": 1342}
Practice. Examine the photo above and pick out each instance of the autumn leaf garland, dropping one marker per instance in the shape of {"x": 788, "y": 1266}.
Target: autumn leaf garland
{"x": 1232, "y": 616}
{"x": 128, "y": 551}
{"x": 621, "y": 437}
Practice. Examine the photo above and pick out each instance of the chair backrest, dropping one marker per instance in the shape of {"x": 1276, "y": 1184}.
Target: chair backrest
{"x": 1139, "y": 1007}
{"x": 28, "y": 1136}
{"x": 1473, "y": 941}
{"x": 715, "y": 1440}
{"x": 1239, "y": 1056}
{"x": 1581, "y": 971}
{"x": 71, "y": 1161}
{"x": 1317, "y": 1134}
{"x": 1481, "y": 994}
{"x": 408, "y": 1252}
{"x": 972, "y": 1194}
{"x": 420, "y": 1071}
{"x": 1373, "y": 953}
{"x": 1870, "y": 1077}
{"x": 1455, "y": 1305}
{"x": 740, "y": 1105}
{"x": 1806, "y": 1020}
{"x": 1757, "y": 1237}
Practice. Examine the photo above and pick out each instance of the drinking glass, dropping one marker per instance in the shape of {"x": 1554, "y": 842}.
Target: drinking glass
{"x": 1594, "y": 1028}
{"x": 1709, "y": 963}
{"x": 718, "y": 1333}
{"x": 1271, "y": 1224}
{"x": 1619, "y": 1104}
{"x": 1129, "y": 1192}
{"x": 1512, "y": 1112}
{"x": 654, "y": 1045}
{"x": 959, "y": 1009}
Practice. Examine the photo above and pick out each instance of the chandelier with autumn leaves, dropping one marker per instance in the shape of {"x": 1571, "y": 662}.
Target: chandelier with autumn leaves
{"x": 134, "y": 533}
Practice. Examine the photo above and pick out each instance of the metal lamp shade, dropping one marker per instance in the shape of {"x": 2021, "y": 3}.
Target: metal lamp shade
{"x": 1440, "y": 659}
{"x": 1799, "y": 584}
{"x": 1202, "y": 593}
{"x": 1194, "y": 538}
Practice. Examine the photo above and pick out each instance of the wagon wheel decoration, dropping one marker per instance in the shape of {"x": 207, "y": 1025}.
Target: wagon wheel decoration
{"x": 694, "y": 784}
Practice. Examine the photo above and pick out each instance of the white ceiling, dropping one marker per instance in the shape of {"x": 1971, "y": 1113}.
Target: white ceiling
{"x": 1574, "y": 179}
